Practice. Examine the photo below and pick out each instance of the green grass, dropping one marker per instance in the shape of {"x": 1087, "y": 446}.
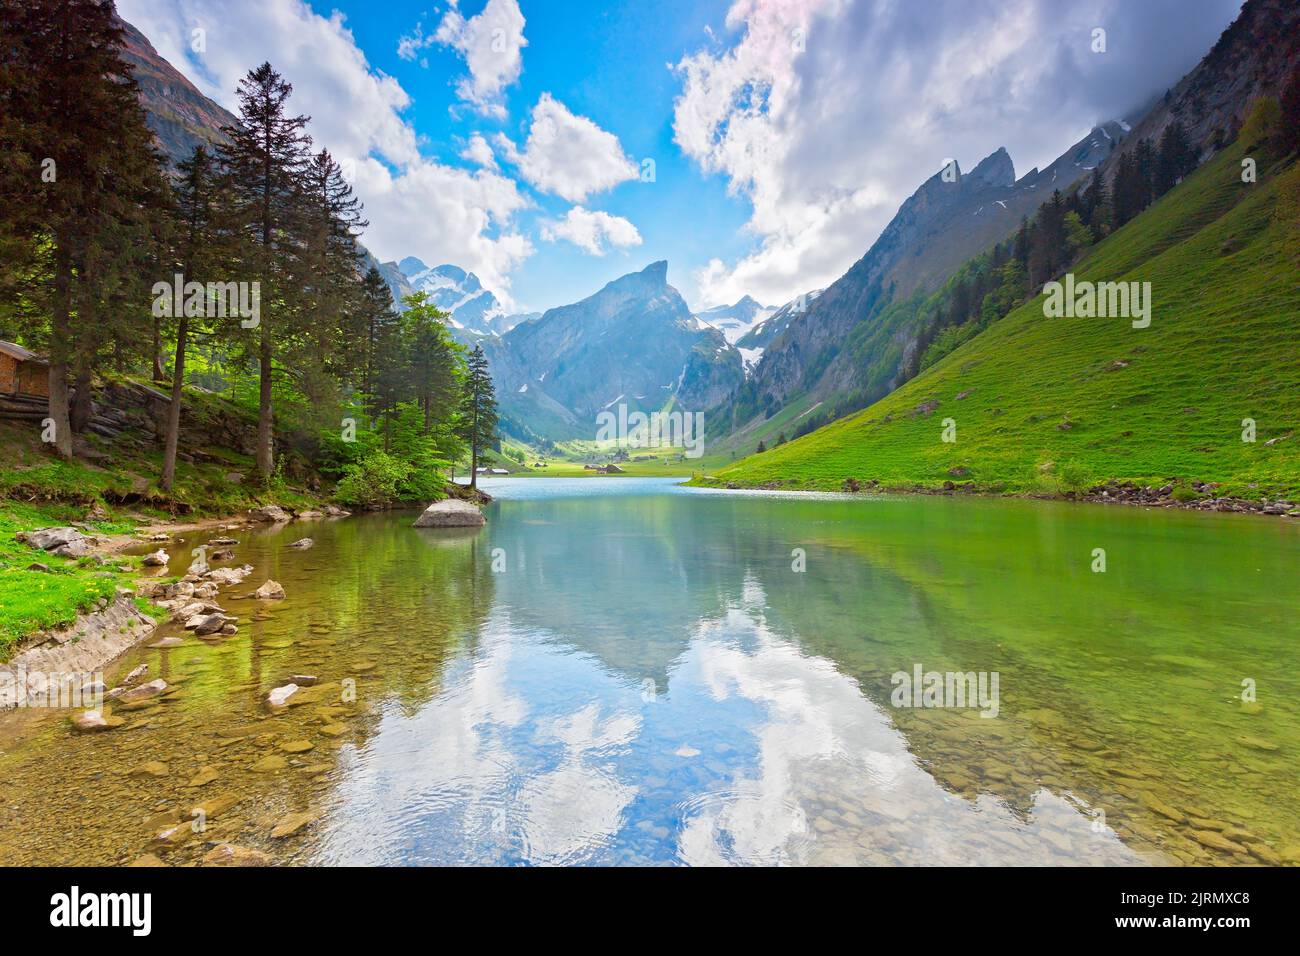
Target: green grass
{"x": 38, "y": 490}
{"x": 32, "y": 601}
{"x": 1222, "y": 346}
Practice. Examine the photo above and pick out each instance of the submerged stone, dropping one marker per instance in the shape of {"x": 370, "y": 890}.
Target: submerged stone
{"x": 228, "y": 854}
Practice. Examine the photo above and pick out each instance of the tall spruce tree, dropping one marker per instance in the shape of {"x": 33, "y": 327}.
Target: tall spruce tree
{"x": 197, "y": 241}
{"x": 330, "y": 277}
{"x": 84, "y": 185}
{"x": 265, "y": 162}
{"x": 478, "y": 410}
{"x": 436, "y": 361}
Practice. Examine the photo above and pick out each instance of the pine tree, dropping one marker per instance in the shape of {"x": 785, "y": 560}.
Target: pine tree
{"x": 265, "y": 162}
{"x": 436, "y": 360}
{"x": 373, "y": 319}
{"x": 478, "y": 410}
{"x": 1174, "y": 160}
{"x": 1047, "y": 249}
{"x": 74, "y": 111}
{"x": 1097, "y": 205}
{"x": 329, "y": 275}
{"x": 1021, "y": 249}
{"x": 1126, "y": 190}
{"x": 195, "y": 254}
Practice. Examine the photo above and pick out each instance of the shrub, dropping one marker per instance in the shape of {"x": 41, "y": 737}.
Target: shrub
{"x": 373, "y": 482}
{"x": 1075, "y": 476}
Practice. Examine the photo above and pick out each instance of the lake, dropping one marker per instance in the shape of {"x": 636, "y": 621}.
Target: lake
{"x": 625, "y": 671}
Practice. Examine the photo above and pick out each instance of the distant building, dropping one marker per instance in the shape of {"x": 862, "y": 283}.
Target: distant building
{"x": 23, "y": 373}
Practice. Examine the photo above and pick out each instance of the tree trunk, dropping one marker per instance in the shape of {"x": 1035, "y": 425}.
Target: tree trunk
{"x": 83, "y": 408}
{"x": 59, "y": 354}
{"x": 473, "y": 453}
{"x": 158, "y": 374}
{"x": 174, "y": 412}
{"x": 265, "y": 438}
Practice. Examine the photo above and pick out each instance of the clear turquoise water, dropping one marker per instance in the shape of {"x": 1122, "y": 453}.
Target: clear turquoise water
{"x": 643, "y": 678}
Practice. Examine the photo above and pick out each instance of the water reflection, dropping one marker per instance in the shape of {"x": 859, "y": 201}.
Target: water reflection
{"x": 647, "y": 678}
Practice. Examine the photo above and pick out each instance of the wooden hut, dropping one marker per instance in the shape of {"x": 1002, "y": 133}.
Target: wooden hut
{"x": 23, "y": 374}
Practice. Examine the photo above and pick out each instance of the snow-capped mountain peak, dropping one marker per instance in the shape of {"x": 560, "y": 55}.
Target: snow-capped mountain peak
{"x": 733, "y": 321}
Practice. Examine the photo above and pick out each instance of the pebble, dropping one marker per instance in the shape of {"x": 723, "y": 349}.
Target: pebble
{"x": 291, "y": 824}
{"x": 228, "y": 854}
{"x": 1216, "y": 841}
{"x": 204, "y": 777}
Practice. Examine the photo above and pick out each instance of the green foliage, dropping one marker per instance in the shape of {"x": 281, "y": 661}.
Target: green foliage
{"x": 380, "y": 480}
{"x": 373, "y": 482}
{"x": 1147, "y": 405}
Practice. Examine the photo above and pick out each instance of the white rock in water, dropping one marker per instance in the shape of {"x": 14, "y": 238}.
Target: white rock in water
{"x": 156, "y": 560}
{"x": 280, "y": 695}
{"x": 230, "y": 575}
{"x": 144, "y": 691}
{"x": 302, "y": 544}
{"x": 270, "y": 591}
{"x": 450, "y": 513}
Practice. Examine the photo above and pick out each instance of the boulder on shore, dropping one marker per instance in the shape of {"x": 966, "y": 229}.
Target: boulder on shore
{"x": 450, "y": 513}
{"x": 269, "y": 513}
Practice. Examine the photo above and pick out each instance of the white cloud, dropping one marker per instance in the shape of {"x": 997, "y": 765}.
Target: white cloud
{"x": 416, "y": 205}
{"x": 410, "y": 45}
{"x": 826, "y": 131}
{"x": 593, "y": 231}
{"x": 491, "y": 44}
{"x": 479, "y": 152}
{"x": 566, "y": 154}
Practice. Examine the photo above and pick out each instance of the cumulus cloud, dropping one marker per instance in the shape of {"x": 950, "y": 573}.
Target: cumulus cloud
{"x": 593, "y": 231}
{"x": 491, "y": 44}
{"x": 567, "y": 155}
{"x": 416, "y": 205}
{"x": 479, "y": 152}
{"x": 826, "y": 114}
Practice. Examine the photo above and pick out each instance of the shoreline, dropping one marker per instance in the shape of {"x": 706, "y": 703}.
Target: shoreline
{"x": 1125, "y": 493}
{"x": 98, "y": 637}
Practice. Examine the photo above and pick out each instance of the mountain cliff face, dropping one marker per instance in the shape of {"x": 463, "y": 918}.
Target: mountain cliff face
{"x": 833, "y": 347}
{"x": 1252, "y": 58}
{"x": 633, "y": 343}
{"x": 180, "y": 116}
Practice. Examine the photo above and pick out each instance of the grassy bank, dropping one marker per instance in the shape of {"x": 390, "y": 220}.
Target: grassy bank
{"x": 39, "y": 591}
{"x": 112, "y": 490}
{"x": 1052, "y": 405}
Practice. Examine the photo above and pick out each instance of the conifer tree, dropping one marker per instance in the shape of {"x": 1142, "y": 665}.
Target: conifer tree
{"x": 478, "y": 410}
{"x": 197, "y": 241}
{"x": 85, "y": 187}
{"x": 265, "y": 162}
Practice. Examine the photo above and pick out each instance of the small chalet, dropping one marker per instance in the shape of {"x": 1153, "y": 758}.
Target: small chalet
{"x": 23, "y": 373}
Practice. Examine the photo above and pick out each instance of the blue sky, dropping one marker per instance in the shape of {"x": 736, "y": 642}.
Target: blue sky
{"x": 508, "y": 136}
{"x": 612, "y": 67}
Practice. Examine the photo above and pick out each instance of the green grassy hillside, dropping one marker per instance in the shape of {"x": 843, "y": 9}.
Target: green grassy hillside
{"x": 1056, "y": 404}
